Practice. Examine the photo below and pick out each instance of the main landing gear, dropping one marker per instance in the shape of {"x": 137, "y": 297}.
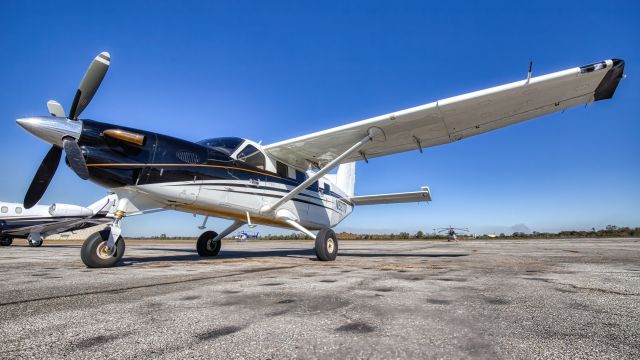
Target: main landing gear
{"x": 210, "y": 242}
{"x": 6, "y": 241}
{"x": 206, "y": 246}
{"x": 326, "y": 241}
{"x": 326, "y": 245}
{"x": 34, "y": 240}
{"x": 96, "y": 253}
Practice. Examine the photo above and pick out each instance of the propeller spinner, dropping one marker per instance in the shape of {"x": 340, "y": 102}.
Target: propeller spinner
{"x": 63, "y": 132}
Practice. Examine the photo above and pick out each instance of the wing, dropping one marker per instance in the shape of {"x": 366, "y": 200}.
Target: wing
{"x": 59, "y": 226}
{"x": 416, "y": 196}
{"x": 456, "y": 118}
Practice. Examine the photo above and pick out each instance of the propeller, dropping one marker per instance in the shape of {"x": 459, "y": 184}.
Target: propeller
{"x": 89, "y": 84}
{"x": 43, "y": 177}
{"x": 47, "y": 169}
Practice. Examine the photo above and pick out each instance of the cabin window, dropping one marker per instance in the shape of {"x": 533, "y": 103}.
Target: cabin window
{"x": 300, "y": 176}
{"x": 4, "y": 209}
{"x": 282, "y": 169}
{"x": 252, "y": 156}
{"x": 314, "y": 187}
{"x": 18, "y": 210}
{"x": 327, "y": 188}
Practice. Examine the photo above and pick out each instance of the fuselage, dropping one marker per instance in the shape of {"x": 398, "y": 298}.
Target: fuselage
{"x": 16, "y": 221}
{"x": 223, "y": 177}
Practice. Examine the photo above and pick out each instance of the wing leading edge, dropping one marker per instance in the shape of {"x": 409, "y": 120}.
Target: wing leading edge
{"x": 458, "y": 117}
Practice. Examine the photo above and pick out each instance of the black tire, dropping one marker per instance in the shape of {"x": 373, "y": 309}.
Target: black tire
{"x": 326, "y": 245}
{"x": 206, "y": 247}
{"x": 6, "y": 241}
{"x": 96, "y": 243}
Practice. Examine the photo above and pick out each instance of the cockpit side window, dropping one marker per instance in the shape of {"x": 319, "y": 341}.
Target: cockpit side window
{"x": 252, "y": 156}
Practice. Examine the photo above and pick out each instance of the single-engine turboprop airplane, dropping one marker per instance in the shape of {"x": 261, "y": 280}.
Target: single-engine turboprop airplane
{"x": 285, "y": 184}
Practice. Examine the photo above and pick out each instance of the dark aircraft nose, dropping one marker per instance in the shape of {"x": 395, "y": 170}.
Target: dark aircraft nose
{"x": 51, "y": 129}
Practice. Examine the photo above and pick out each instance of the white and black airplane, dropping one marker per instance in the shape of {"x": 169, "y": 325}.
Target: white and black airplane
{"x": 285, "y": 184}
{"x": 40, "y": 221}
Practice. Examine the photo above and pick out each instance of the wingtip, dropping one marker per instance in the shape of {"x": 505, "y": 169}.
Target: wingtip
{"x": 609, "y": 83}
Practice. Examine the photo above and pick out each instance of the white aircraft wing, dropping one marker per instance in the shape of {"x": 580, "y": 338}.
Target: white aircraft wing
{"x": 395, "y": 198}
{"x": 456, "y": 118}
{"x": 58, "y": 226}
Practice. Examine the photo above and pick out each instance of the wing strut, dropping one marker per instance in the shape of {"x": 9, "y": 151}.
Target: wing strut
{"x": 233, "y": 227}
{"x": 371, "y": 134}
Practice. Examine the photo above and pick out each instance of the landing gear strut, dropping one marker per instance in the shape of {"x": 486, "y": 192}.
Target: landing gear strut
{"x": 95, "y": 252}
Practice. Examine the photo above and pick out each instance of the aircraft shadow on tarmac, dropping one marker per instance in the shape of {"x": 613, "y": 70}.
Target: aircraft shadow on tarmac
{"x": 232, "y": 254}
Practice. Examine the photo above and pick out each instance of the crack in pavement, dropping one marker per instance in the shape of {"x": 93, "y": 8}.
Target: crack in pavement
{"x": 106, "y": 291}
{"x": 550, "y": 281}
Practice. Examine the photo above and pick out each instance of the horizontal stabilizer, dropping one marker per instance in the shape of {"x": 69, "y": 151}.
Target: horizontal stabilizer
{"x": 416, "y": 196}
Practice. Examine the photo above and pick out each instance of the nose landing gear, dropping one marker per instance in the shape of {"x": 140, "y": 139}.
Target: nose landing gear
{"x": 95, "y": 252}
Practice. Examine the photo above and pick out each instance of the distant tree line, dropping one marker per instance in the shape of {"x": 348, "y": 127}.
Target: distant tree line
{"x": 609, "y": 231}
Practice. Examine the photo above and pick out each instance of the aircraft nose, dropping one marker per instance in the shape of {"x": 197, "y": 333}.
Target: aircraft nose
{"x": 51, "y": 129}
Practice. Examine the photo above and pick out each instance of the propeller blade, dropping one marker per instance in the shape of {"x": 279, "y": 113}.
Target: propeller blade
{"x": 89, "y": 84}
{"x": 43, "y": 177}
{"x": 75, "y": 157}
{"x": 55, "y": 109}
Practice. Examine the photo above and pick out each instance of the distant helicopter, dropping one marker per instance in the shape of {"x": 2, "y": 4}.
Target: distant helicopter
{"x": 243, "y": 235}
{"x": 451, "y": 232}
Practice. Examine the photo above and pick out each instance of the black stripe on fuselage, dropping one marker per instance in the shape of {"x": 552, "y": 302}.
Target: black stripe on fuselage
{"x": 278, "y": 197}
{"x": 333, "y": 194}
{"x": 262, "y": 187}
{"x": 259, "y": 190}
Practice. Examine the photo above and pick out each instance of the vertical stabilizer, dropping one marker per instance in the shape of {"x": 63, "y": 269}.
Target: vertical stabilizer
{"x": 346, "y": 177}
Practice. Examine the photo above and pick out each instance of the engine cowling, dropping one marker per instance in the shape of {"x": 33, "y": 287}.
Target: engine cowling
{"x": 69, "y": 210}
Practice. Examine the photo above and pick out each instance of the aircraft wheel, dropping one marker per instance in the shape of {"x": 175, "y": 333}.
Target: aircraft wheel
{"x": 36, "y": 243}
{"x": 6, "y": 241}
{"x": 326, "y": 245}
{"x": 206, "y": 247}
{"x": 96, "y": 254}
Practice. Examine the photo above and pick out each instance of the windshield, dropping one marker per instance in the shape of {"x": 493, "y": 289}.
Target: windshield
{"x": 226, "y": 145}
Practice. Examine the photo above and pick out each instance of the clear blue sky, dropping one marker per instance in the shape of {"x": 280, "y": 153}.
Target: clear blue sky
{"x": 274, "y": 70}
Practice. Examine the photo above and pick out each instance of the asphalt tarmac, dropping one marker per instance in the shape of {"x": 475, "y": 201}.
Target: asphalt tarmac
{"x": 267, "y": 299}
